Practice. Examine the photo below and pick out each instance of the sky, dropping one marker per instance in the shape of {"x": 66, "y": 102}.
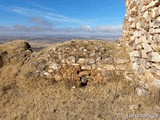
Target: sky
{"x": 62, "y": 17}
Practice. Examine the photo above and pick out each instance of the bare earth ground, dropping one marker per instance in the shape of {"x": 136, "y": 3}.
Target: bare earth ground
{"x": 25, "y": 96}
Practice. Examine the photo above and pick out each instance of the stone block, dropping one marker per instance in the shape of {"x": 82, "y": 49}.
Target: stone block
{"x": 155, "y": 57}
{"x": 134, "y": 54}
{"x": 147, "y": 47}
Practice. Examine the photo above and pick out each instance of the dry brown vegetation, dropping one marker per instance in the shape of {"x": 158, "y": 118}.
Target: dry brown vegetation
{"x": 25, "y": 95}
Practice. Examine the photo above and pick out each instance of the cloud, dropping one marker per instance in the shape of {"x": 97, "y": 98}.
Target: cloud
{"x": 117, "y": 28}
{"x": 39, "y": 21}
{"x": 34, "y": 12}
{"x": 44, "y": 23}
{"x": 40, "y": 29}
{"x": 87, "y": 28}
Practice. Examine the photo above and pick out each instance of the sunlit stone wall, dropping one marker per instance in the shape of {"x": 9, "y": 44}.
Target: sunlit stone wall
{"x": 141, "y": 36}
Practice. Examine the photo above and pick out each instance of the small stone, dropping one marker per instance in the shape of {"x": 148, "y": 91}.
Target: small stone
{"x": 85, "y": 50}
{"x": 81, "y": 48}
{"x": 138, "y": 47}
{"x": 153, "y": 70}
{"x": 108, "y": 67}
{"x": 145, "y": 63}
{"x": 147, "y": 47}
{"x": 149, "y": 75}
{"x": 155, "y": 47}
{"x": 157, "y": 66}
{"x": 144, "y": 55}
{"x": 75, "y": 64}
{"x": 81, "y": 61}
{"x": 129, "y": 76}
{"x": 73, "y": 87}
{"x": 54, "y": 49}
{"x": 108, "y": 61}
{"x": 141, "y": 70}
{"x": 158, "y": 73}
{"x": 106, "y": 73}
{"x": 58, "y": 77}
{"x": 83, "y": 79}
{"x": 135, "y": 66}
{"x": 86, "y": 67}
{"x": 46, "y": 74}
{"x": 98, "y": 59}
{"x": 142, "y": 91}
{"x": 155, "y": 57}
{"x": 91, "y": 61}
{"x": 134, "y": 54}
{"x": 156, "y": 83}
{"x": 121, "y": 61}
{"x": 82, "y": 73}
{"x": 50, "y": 71}
{"x": 119, "y": 44}
{"x": 94, "y": 66}
{"x": 63, "y": 61}
{"x": 72, "y": 59}
{"x": 92, "y": 54}
{"x": 55, "y": 66}
{"x": 102, "y": 49}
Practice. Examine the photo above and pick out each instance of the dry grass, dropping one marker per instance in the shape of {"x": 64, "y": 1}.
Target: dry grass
{"x": 25, "y": 97}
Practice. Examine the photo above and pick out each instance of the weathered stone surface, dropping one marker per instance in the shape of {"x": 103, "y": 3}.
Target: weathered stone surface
{"x": 86, "y": 67}
{"x": 109, "y": 67}
{"x": 153, "y": 70}
{"x": 155, "y": 57}
{"x": 158, "y": 73}
{"x": 81, "y": 61}
{"x": 143, "y": 39}
{"x": 121, "y": 67}
{"x": 121, "y": 61}
{"x": 155, "y": 47}
{"x": 135, "y": 66}
{"x": 92, "y": 61}
{"x": 156, "y": 83}
{"x": 141, "y": 69}
{"x": 145, "y": 63}
{"x": 142, "y": 91}
{"x": 144, "y": 54}
{"x": 94, "y": 66}
{"x": 55, "y": 66}
{"x": 108, "y": 61}
{"x": 72, "y": 59}
{"x": 147, "y": 47}
{"x": 58, "y": 77}
{"x": 82, "y": 73}
{"x": 134, "y": 54}
{"x": 157, "y": 66}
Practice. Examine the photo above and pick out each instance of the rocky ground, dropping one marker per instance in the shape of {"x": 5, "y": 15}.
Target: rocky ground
{"x": 74, "y": 80}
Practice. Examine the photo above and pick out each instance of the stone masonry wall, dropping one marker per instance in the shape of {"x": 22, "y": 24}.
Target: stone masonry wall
{"x": 141, "y": 36}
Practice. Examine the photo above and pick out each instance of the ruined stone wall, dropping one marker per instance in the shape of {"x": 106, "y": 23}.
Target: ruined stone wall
{"x": 142, "y": 37}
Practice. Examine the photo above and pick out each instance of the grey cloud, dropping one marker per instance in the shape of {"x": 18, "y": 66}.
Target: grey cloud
{"x": 103, "y": 28}
{"x": 41, "y": 29}
{"x": 87, "y": 28}
{"x": 21, "y": 28}
{"x": 40, "y": 21}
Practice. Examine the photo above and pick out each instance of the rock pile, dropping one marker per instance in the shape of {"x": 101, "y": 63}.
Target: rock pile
{"x": 142, "y": 37}
{"x": 78, "y": 61}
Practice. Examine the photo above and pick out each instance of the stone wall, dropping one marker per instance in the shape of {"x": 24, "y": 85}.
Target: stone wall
{"x": 141, "y": 36}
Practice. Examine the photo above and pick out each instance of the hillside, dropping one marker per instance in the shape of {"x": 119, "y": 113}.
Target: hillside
{"x": 82, "y": 80}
